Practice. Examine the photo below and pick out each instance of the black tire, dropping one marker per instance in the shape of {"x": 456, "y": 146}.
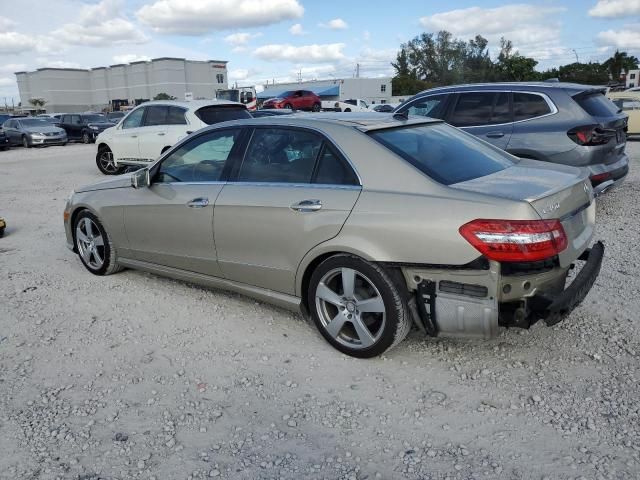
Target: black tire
{"x": 25, "y": 142}
{"x": 106, "y": 167}
{"x": 397, "y": 320}
{"x": 316, "y": 107}
{"x": 2, "y": 232}
{"x": 288, "y": 106}
{"x": 347, "y": 109}
{"x": 106, "y": 251}
{"x": 86, "y": 138}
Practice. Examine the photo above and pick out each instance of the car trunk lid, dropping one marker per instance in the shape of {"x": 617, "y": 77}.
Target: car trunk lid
{"x": 554, "y": 192}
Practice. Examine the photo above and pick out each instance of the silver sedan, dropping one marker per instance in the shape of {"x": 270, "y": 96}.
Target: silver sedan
{"x": 367, "y": 223}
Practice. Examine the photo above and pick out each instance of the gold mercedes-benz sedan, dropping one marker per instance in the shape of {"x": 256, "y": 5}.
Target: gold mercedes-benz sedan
{"x": 367, "y": 223}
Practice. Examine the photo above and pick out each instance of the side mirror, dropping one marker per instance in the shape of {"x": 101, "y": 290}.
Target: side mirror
{"x": 140, "y": 178}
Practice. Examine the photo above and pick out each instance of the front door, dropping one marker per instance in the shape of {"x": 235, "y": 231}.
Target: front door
{"x": 487, "y": 115}
{"x": 291, "y": 193}
{"x": 125, "y": 137}
{"x": 163, "y": 126}
{"x": 171, "y": 222}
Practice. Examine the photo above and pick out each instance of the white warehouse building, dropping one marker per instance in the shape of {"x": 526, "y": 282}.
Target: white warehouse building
{"x": 79, "y": 90}
{"x": 371, "y": 90}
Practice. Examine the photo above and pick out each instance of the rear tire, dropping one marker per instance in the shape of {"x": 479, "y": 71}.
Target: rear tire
{"x": 94, "y": 245}
{"x": 357, "y": 307}
{"x": 105, "y": 163}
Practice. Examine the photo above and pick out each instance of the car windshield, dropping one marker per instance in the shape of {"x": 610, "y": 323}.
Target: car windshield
{"x": 95, "y": 118}
{"x": 286, "y": 94}
{"x": 444, "y": 153}
{"x": 33, "y": 122}
{"x": 230, "y": 95}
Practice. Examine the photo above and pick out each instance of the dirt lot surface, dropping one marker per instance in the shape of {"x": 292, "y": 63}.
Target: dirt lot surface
{"x": 137, "y": 376}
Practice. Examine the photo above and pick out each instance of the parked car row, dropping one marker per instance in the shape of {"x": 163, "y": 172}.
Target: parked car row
{"x": 300, "y": 207}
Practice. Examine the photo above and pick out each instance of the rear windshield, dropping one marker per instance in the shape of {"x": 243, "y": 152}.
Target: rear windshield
{"x": 215, "y": 114}
{"x": 597, "y": 104}
{"x": 444, "y": 153}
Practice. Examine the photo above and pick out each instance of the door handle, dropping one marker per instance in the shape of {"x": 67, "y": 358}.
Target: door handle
{"x": 160, "y": 133}
{"x": 307, "y": 206}
{"x": 495, "y": 134}
{"x": 198, "y": 202}
{"x": 134, "y": 136}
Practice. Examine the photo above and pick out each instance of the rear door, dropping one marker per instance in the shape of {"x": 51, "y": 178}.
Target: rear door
{"x": 291, "y": 192}
{"x": 486, "y": 115}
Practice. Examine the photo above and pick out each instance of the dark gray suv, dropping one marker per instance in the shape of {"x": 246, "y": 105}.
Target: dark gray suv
{"x": 556, "y": 122}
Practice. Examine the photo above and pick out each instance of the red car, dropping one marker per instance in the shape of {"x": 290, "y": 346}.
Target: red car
{"x": 296, "y": 100}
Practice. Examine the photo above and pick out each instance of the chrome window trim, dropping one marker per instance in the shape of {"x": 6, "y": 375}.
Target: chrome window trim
{"x": 323, "y": 186}
{"x": 546, "y": 98}
{"x": 212, "y": 182}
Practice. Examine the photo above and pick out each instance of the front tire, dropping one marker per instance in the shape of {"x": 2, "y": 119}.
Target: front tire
{"x": 86, "y": 138}
{"x": 105, "y": 162}
{"x": 288, "y": 106}
{"x": 357, "y": 307}
{"x": 94, "y": 245}
{"x": 25, "y": 142}
{"x": 316, "y": 107}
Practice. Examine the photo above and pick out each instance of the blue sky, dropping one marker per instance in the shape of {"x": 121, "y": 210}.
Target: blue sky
{"x": 266, "y": 40}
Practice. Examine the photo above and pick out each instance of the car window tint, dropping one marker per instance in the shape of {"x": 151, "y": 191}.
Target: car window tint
{"x": 216, "y": 114}
{"x": 473, "y": 109}
{"x": 199, "y": 160}
{"x": 134, "y": 119}
{"x": 527, "y": 105}
{"x": 333, "y": 171}
{"x": 432, "y": 106}
{"x": 176, "y": 116}
{"x": 280, "y": 156}
{"x": 156, "y": 115}
{"x": 76, "y": 120}
{"x": 501, "y": 112}
{"x": 597, "y": 104}
{"x": 446, "y": 154}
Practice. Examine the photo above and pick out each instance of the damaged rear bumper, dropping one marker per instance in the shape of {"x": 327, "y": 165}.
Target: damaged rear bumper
{"x": 473, "y": 303}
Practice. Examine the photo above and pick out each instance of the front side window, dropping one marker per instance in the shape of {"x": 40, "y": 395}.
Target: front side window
{"x": 528, "y": 105}
{"x": 280, "y": 156}
{"x": 134, "y": 119}
{"x": 199, "y": 160}
{"x": 76, "y": 120}
{"x": 432, "y": 106}
{"x": 443, "y": 153}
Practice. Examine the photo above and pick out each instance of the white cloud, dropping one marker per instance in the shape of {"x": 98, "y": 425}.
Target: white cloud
{"x": 241, "y": 38}
{"x": 200, "y": 17}
{"x": 626, "y": 37}
{"x": 130, "y": 57}
{"x": 100, "y": 25}
{"x": 533, "y": 29}
{"x": 297, "y": 29}
{"x": 335, "y": 24}
{"x": 5, "y": 82}
{"x": 615, "y": 8}
{"x": 45, "y": 62}
{"x": 14, "y": 42}
{"x": 12, "y": 67}
{"x": 366, "y": 35}
{"x": 306, "y": 53}
{"x": 6, "y": 24}
{"x": 242, "y": 74}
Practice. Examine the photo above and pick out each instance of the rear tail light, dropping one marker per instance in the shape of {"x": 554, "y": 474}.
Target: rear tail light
{"x": 516, "y": 240}
{"x": 600, "y": 177}
{"x": 591, "y": 135}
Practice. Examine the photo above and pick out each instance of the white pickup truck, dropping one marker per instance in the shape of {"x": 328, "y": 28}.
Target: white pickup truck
{"x": 351, "y": 105}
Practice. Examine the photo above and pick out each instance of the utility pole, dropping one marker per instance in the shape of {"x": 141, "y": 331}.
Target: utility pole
{"x": 357, "y": 70}
{"x": 576, "y": 54}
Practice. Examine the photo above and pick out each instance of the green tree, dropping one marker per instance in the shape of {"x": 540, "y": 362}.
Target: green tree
{"x": 511, "y": 66}
{"x": 163, "y": 96}
{"x": 620, "y": 61}
{"x": 592, "y": 73}
{"x": 37, "y": 102}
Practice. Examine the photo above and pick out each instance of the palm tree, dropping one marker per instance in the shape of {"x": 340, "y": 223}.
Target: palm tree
{"x": 620, "y": 61}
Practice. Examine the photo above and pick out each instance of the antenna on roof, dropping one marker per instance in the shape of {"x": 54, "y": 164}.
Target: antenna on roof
{"x": 401, "y": 116}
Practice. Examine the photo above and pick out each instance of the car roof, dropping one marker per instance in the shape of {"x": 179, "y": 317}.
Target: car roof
{"x": 364, "y": 121}
{"x": 573, "y": 87}
{"x": 193, "y": 104}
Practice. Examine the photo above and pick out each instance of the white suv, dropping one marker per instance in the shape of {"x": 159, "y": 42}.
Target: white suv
{"x": 153, "y": 127}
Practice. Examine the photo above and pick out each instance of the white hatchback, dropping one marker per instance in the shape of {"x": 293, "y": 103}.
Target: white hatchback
{"x": 153, "y": 127}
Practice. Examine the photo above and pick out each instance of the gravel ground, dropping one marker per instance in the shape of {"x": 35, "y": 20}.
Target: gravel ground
{"x": 137, "y": 376}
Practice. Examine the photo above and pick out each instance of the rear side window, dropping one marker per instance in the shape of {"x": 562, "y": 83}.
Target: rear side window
{"x": 217, "y": 114}
{"x": 432, "y": 106}
{"x": 480, "y": 108}
{"x": 596, "y": 104}
{"x": 333, "y": 171}
{"x": 175, "y": 116}
{"x": 156, "y": 115}
{"x": 444, "y": 153}
{"x": 528, "y": 105}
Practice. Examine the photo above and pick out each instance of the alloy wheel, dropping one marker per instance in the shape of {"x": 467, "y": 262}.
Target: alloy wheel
{"x": 350, "y": 307}
{"x": 90, "y": 243}
{"x": 106, "y": 161}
